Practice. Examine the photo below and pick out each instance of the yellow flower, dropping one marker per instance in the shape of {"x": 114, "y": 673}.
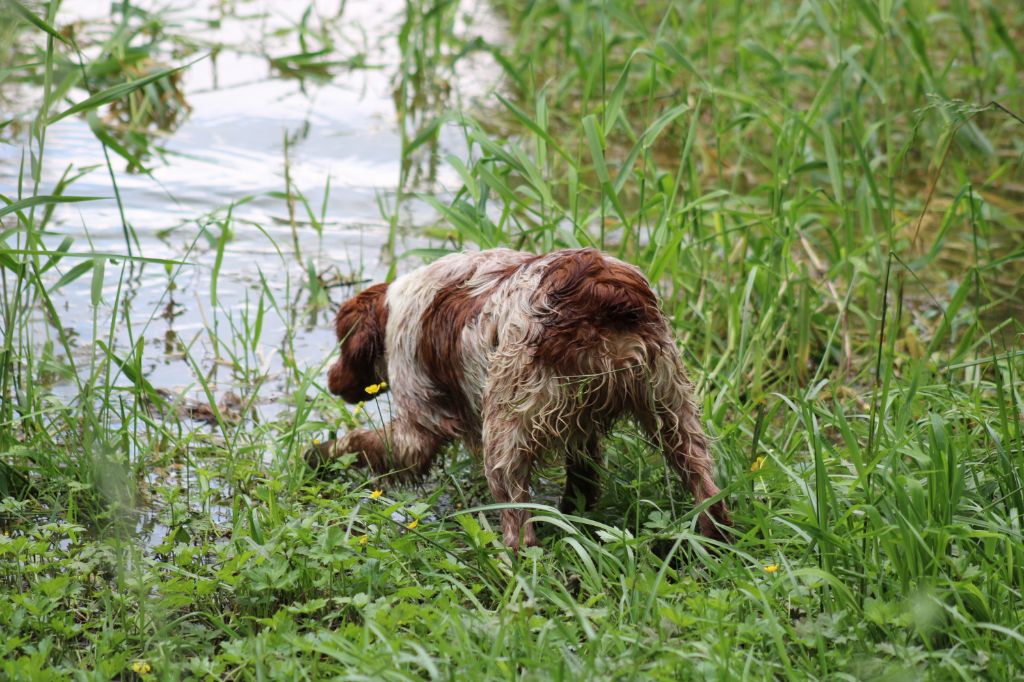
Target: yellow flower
{"x": 413, "y": 525}
{"x": 373, "y": 388}
{"x": 758, "y": 463}
{"x": 771, "y": 568}
{"x": 376, "y": 494}
{"x": 363, "y": 539}
{"x": 141, "y": 667}
{"x": 316, "y": 441}
{"x": 358, "y": 409}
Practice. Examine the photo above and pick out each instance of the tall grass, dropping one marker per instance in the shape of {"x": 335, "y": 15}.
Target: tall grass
{"x": 827, "y": 198}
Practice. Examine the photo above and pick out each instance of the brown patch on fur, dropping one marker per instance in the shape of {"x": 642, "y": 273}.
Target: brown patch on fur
{"x": 440, "y": 348}
{"x": 453, "y": 309}
{"x": 360, "y": 325}
{"x": 589, "y": 297}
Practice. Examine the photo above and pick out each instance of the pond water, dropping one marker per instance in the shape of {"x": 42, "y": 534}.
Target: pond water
{"x": 224, "y": 168}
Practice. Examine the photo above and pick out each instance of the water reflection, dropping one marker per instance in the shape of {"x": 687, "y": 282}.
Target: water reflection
{"x": 284, "y": 173}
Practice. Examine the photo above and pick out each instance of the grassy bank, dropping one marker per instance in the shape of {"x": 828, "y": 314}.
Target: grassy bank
{"x": 828, "y": 196}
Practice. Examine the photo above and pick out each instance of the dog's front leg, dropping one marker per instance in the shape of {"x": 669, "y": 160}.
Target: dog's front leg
{"x": 399, "y": 448}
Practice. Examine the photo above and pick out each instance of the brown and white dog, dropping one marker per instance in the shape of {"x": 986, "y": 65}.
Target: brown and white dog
{"x": 521, "y": 357}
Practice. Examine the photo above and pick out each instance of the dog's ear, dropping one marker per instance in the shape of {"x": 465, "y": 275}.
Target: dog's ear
{"x": 360, "y": 325}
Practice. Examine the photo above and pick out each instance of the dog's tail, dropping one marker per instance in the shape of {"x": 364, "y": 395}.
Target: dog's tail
{"x": 589, "y": 287}
{"x": 587, "y": 301}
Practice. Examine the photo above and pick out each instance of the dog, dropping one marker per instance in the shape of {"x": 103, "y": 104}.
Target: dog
{"x": 521, "y": 357}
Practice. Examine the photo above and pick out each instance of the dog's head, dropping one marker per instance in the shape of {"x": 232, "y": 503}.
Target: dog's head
{"x": 360, "y": 325}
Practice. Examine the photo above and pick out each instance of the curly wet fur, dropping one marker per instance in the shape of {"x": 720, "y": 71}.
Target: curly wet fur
{"x": 521, "y": 357}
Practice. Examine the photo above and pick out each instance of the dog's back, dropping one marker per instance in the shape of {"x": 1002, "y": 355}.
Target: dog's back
{"x": 571, "y": 313}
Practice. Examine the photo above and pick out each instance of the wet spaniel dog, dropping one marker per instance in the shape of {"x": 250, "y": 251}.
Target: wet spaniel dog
{"x": 520, "y": 357}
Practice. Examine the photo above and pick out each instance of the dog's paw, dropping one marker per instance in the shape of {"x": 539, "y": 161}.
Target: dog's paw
{"x": 319, "y": 455}
{"x": 715, "y": 523}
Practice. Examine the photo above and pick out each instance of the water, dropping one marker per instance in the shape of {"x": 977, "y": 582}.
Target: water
{"x": 343, "y": 132}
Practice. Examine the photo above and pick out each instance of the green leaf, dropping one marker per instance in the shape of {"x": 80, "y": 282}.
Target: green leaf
{"x": 97, "y": 280}
{"x": 93, "y": 254}
{"x": 824, "y": 92}
{"x": 955, "y": 303}
{"x": 595, "y": 140}
{"x": 834, "y": 170}
{"x": 72, "y": 274}
{"x": 654, "y": 130}
{"x": 13, "y": 206}
{"x": 100, "y": 131}
{"x": 428, "y": 133}
{"x": 425, "y": 254}
{"x": 36, "y": 21}
{"x": 64, "y": 247}
{"x": 522, "y": 117}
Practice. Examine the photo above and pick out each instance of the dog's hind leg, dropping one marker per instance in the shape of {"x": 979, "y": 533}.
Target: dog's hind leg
{"x": 669, "y": 415}
{"x": 507, "y": 466}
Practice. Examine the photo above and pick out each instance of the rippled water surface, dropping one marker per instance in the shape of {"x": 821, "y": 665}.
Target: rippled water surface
{"x": 221, "y": 178}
